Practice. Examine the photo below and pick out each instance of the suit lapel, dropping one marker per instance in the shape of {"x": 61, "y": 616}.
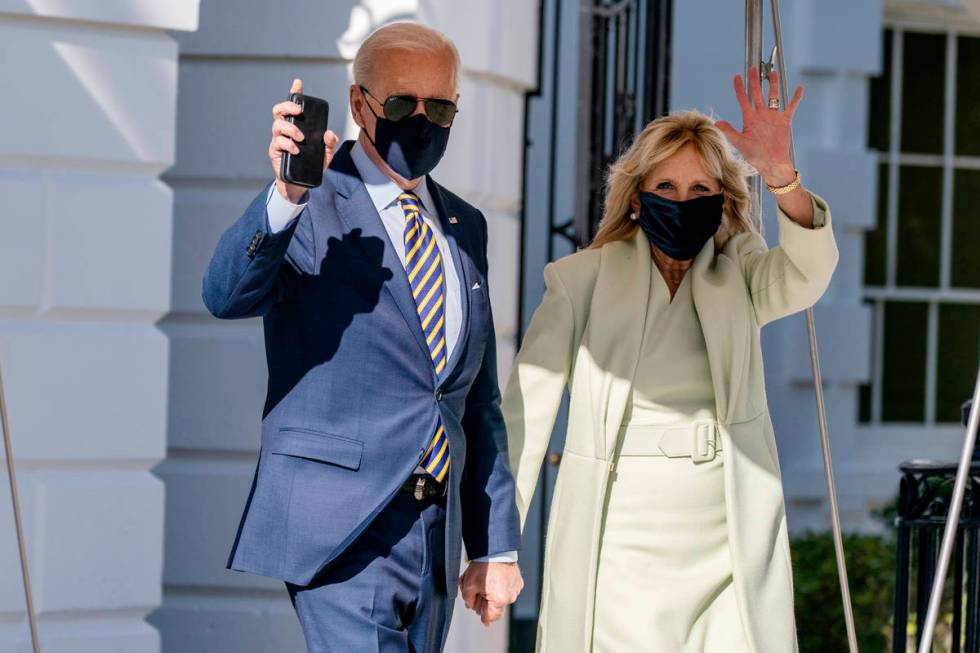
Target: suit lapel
{"x": 356, "y": 210}
{"x": 617, "y": 321}
{"x": 450, "y": 229}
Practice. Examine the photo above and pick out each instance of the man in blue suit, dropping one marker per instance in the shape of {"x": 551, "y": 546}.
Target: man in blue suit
{"x": 383, "y": 444}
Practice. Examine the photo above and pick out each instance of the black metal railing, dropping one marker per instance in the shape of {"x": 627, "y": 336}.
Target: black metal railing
{"x": 923, "y": 504}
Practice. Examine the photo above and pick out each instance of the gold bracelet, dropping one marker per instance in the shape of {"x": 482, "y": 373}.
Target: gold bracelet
{"x": 788, "y": 188}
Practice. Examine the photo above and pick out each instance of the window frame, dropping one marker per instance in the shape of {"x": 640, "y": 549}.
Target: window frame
{"x": 949, "y": 162}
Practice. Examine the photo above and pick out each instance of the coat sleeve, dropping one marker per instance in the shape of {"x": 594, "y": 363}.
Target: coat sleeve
{"x": 489, "y": 514}
{"x": 250, "y": 270}
{"x": 794, "y": 275}
{"x": 534, "y": 392}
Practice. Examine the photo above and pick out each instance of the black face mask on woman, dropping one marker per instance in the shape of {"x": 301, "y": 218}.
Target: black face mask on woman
{"x": 680, "y": 229}
{"x": 412, "y": 146}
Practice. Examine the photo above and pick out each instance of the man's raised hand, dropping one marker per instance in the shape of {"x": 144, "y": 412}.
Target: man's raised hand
{"x": 285, "y": 135}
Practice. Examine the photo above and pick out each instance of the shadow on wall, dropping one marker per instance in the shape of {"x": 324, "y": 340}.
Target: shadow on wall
{"x": 99, "y": 76}
{"x": 118, "y": 84}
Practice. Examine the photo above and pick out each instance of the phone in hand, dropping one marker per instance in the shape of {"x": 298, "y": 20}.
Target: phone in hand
{"x": 306, "y": 168}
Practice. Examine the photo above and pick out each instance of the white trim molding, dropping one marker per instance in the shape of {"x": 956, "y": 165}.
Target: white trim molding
{"x": 961, "y": 15}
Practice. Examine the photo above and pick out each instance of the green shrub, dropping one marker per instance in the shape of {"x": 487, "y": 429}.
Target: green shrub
{"x": 819, "y": 612}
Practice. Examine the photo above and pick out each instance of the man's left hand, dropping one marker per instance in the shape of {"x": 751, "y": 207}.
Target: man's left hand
{"x": 489, "y": 587}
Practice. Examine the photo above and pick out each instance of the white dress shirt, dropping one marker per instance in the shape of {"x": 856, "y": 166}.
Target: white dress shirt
{"x": 384, "y": 193}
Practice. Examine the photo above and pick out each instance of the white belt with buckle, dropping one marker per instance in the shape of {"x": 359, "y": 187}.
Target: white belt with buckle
{"x": 699, "y": 441}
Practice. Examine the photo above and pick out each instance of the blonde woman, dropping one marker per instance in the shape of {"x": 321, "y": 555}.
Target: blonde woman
{"x": 667, "y": 531}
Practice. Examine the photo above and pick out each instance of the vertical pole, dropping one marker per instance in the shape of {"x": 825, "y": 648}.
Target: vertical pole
{"x": 585, "y": 121}
{"x": 15, "y": 500}
{"x": 811, "y": 329}
{"x": 925, "y": 576}
{"x": 753, "y": 57}
{"x": 900, "y": 627}
{"x": 957, "y": 637}
{"x": 972, "y": 640}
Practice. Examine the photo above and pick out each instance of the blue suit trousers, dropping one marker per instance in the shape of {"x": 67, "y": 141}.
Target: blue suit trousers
{"x": 387, "y": 593}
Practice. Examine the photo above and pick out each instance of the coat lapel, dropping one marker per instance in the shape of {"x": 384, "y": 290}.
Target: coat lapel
{"x": 723, "y": 306}
{"x": 451, "y": 229}
{"x": 617, "y": 321}
{"x": 356, "y": 210}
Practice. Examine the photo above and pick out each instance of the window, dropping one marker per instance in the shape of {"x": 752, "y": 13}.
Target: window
{"x": 922, "y": 261}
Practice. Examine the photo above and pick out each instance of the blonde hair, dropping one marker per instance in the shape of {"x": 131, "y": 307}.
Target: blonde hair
{"x": 402, "y": 35}
{"x": 659, "y": 140}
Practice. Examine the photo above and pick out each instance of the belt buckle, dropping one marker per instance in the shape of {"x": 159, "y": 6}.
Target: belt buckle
{"x": 705, "y": 443}
{"x": 419, "y": 493}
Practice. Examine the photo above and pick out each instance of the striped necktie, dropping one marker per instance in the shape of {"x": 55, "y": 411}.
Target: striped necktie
{"x": 423, "y": 264}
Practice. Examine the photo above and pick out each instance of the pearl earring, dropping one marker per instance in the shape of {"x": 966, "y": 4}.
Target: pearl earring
{"x": 633, "y": 217}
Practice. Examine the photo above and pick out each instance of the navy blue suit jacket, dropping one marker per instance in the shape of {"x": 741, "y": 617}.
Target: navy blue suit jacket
{"x": 352, "y": 396}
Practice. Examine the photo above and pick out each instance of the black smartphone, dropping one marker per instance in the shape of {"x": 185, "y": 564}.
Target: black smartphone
{"x": 306, "y": 168}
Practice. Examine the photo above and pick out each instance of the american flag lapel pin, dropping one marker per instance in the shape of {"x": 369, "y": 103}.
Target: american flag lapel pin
{"x": 452, "y": 219}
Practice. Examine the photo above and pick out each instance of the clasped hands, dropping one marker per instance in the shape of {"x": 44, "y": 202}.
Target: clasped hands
{"x": 489, "y": 587}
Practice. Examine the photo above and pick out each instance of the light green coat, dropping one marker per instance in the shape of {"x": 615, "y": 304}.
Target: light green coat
{"x": 587, "y": 334}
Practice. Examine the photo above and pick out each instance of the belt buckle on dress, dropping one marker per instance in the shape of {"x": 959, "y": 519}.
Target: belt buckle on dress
{"x": 705, "y": 443}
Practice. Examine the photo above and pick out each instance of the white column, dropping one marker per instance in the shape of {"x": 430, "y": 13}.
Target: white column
{"x": 832, "y": 48}
{"x": 232, "y": 71}
{"x": 831, "y": 140}
{"x": 89, "y": 99}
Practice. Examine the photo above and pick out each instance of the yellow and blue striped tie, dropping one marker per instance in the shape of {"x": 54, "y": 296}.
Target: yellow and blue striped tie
{"x": 423, "y": 263}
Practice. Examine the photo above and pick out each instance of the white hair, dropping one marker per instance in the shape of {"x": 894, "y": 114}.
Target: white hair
{"x": 402, "y": 35}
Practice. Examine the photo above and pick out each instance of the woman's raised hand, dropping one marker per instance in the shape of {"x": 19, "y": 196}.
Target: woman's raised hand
{"x": 765, "y": 137}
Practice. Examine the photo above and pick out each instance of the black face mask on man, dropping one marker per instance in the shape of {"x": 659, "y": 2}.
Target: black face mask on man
{"x": 680, "y": 229}
{"x": 412, "y": 146}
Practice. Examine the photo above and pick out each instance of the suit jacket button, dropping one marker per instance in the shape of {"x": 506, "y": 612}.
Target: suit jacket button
{"x": 439, "y": 395}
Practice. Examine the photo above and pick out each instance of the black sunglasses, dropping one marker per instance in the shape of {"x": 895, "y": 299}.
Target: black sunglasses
{"x": 397, "y": 107}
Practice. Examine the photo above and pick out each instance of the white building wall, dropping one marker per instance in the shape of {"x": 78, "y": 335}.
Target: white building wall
{"x": 879, "y": 448}
{"x": 89, "y": 100}
{"x": 232, "y": 71}
{"x": 832, "y": 47}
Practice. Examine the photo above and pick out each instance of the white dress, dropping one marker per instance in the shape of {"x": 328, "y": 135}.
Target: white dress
{"x": 664, "y": 580}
